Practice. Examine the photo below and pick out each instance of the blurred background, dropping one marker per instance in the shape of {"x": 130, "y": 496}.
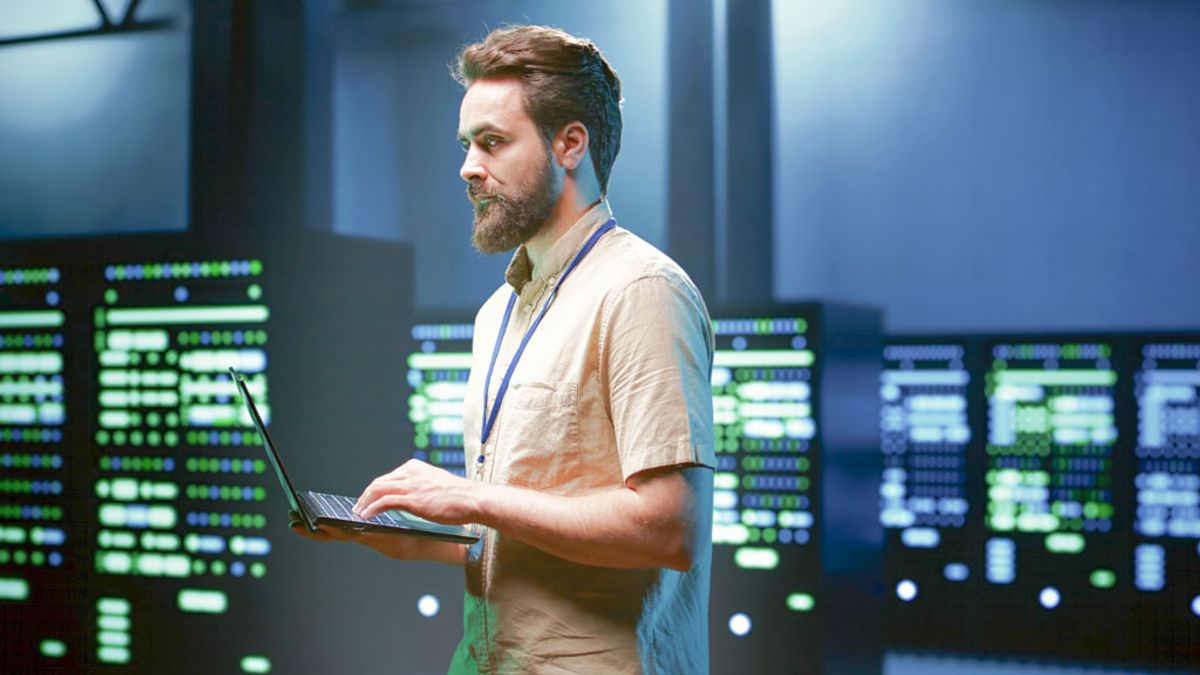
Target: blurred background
{"x": 950, "y": 250}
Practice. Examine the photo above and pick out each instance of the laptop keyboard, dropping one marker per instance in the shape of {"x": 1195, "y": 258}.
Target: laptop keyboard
{"x": 339, "y": 506}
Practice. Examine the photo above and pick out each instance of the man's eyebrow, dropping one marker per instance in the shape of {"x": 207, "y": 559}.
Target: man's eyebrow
{"x": 486, "y": 126}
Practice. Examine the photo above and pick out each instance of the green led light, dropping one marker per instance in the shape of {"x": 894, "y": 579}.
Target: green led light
{"x": 114, "y": 562}
{"x": 1081, "y": 378}
{"x": 255, "y": 664}
{"x": 258, "y": 570}
{"x": 753, "y": 558}
{"x": 111, "y": 622}
{"x": 53, "y": 649}
{"x": 108, "y": 654}
{"x": 734, "y": 534}
{"x": 47, "y": 318}
{"x": 1103, "y": 578}
{"x": 12, "y": 588}
{"x": 202, "y": 601}
{"x": 1065, "y": 542}
{"x": 111, "y": 296}
{"x": 189, "y": 315}
{"x": 801, "y": 602}
{"x": 116, "y": 606}
{"x": 112, "y": 638}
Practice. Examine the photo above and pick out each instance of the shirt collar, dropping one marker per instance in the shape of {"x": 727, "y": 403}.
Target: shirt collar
{"x": 519, "y": 274}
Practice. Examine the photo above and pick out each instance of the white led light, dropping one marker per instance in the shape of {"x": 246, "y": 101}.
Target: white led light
{"x": 1049, "y": 597}
{"x": 428, "y": 606}
{"x": 906, "y": 590}
{"x": 1196, "y": 605}
{"x": 739, "y": 625}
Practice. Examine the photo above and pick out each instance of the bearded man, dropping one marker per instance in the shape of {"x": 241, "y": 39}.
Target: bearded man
{"x": 588, "y": 416}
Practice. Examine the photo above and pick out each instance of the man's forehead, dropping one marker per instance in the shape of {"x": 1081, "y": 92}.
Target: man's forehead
{"x": 491, "y": 105}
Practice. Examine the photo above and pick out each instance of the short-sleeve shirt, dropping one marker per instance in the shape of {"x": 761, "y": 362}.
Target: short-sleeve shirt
{"x": 615, "y": 381}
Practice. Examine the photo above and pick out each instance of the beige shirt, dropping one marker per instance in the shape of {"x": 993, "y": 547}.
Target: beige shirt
{"x": 615, "y": 381}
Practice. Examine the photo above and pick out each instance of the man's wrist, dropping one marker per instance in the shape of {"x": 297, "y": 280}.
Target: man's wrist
{"x": 482, "y": 495}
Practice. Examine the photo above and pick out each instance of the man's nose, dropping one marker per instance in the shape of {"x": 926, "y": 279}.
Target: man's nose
{"x": 472, "y": 169}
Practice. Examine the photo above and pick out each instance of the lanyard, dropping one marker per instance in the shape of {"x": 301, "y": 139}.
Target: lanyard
{"x": 490, "y": 417}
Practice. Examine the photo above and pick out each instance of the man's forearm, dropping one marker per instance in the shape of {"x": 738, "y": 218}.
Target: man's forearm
{"x": 660, "y": 519}
{"x": 614, "y": 528}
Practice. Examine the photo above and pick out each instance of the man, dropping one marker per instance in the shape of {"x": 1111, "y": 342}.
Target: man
{"x": 589, "y": 459}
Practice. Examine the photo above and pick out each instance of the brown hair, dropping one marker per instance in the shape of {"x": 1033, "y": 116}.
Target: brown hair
{"x": 565, "y": 79}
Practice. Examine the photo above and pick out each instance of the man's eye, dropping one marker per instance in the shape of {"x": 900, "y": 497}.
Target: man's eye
{"x": 491, "y": 141}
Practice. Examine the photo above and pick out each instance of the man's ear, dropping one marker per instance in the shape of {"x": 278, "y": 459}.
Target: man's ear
{"x": 571, "y": 145}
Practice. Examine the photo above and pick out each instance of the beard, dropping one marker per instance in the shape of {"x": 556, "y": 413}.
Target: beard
{"x": 507, "y": 220}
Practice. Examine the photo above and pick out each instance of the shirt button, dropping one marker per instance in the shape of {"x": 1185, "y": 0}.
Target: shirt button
{"x": 550, "y": 281}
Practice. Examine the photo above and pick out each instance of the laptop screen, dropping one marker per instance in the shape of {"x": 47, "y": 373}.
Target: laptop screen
{"x": 284, "y": 481}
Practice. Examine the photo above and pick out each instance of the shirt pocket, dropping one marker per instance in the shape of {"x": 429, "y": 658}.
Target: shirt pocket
{"x": 540, "y": 435}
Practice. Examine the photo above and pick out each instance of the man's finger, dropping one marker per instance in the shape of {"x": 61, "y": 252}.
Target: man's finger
{"x": 384, "y": 503}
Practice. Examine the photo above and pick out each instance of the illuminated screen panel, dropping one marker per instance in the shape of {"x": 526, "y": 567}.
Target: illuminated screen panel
{"x": 437, "y": 378}
{"x": 925, "y": 436}
{"x": 1051, "y": 433}
{"x": 1166, "y": 553}
{"x": 764, "y": 429}
{"x": 765, "y": 550}
{"x": 38, "y": 541}
{"x": 181, "y": 472}
{"x": 1053, "y": 548}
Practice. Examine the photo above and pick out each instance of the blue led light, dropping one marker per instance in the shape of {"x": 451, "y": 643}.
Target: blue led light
{"x": 957, "y": 572}
{"x": 181, "y": 294}
{"x": 238, "y": 568}
{"x": 1196, "y": 605}
{"x": 906, "y": 590}
{"x": 55, "y": 558}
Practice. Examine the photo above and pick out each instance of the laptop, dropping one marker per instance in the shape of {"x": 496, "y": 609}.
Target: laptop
{"x": 318, "y": 508}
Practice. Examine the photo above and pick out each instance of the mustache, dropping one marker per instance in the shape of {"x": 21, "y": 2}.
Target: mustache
{"x": 475, "y": 194}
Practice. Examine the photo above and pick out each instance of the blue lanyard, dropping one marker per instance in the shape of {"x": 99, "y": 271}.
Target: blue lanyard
{"x": 490, "y": 417}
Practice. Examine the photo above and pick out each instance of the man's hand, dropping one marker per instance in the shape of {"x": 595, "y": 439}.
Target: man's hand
{"x": 423, "y": 490}
{"x": 396, "y": 546}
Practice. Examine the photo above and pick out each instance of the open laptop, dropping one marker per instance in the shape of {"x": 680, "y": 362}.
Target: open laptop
{"x": 317, "y": 508}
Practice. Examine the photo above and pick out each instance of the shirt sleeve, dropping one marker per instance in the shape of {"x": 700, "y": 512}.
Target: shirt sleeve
{"x": 656, "y": 352}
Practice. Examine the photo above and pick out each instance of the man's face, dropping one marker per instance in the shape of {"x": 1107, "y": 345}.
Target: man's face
{"x": 511, "y": 179}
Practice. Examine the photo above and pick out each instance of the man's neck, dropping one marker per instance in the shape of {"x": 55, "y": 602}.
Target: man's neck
{"x": 567, "y": 211}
